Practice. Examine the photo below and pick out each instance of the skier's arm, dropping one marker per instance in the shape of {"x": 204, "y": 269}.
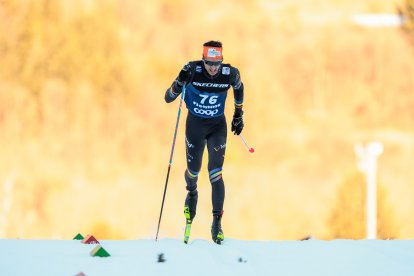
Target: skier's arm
{"x": 238, "y": 90}
{"x": 172, "y": 93}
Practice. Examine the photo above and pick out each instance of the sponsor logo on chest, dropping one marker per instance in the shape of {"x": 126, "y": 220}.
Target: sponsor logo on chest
{"x": 209, "y": 84}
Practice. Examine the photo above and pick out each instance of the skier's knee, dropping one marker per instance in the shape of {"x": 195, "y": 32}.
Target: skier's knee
{"x": 215, "y": 175}
{"x": 191, "y": 180}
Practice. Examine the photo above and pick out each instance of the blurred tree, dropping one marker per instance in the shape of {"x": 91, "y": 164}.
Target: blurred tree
{"x": 82, "y": 84}
{"x": 39, "y": 43}
{"x": 348, "y": 219}
{"x": 407, "y": 10}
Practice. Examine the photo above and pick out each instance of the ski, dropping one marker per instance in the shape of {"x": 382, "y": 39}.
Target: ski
{"x": 187, "y": 224}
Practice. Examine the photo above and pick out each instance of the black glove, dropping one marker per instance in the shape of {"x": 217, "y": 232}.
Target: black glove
{"x": 237, "y": 123}
{"x": 184, "y": 75}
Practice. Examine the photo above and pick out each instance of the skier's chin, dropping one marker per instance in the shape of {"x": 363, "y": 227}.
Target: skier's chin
{"x": 212, "y": 72}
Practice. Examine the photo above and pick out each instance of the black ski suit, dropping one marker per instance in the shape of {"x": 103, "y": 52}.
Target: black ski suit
{"x": 205, "y": 98}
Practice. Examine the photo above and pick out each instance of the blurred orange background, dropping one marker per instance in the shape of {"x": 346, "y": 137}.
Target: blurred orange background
{"x": 85, "y": 134}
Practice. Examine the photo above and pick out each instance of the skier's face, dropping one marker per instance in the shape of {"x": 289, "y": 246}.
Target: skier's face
{"x": 212, "y": 67}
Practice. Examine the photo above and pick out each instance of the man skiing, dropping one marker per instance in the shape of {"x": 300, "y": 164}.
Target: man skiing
{"x": 207, "y": 82}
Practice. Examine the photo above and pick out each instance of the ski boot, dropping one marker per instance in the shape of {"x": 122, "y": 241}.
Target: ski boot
{"x": 189, "y": 213}
{"x": 216, "y": 231}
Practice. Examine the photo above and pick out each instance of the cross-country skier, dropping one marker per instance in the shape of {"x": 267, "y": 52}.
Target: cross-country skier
{"x": 207, "y": 82}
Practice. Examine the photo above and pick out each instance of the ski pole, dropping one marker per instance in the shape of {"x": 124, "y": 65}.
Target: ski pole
{"x": 251, "y": 150}
{"x": 171, "y": 157}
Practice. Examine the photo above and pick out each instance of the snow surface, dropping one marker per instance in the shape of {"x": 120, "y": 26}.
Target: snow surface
{"x": 202, "y": 257}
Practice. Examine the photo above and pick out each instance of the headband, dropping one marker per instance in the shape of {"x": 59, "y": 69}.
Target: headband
{"x": 212, "y": 53}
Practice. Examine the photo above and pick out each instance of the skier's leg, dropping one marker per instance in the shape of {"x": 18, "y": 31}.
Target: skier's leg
{"x": 192, "y": 195}
{"x": 195, "y": 143}
{"x": 216, "y": 144}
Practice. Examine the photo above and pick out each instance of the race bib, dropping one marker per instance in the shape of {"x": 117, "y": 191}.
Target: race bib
{"x": 202, "y": 104}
